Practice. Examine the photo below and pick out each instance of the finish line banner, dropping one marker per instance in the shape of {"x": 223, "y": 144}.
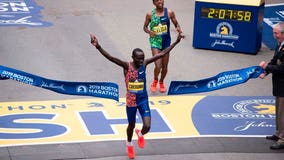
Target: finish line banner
{"x": 222, "y": 80}
{"x": 96, "y": 89}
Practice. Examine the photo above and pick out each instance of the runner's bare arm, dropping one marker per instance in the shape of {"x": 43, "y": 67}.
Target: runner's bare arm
{"x": 146, "y": 24}
{"x": 174, "y": 20}
{"x": 94, "y": 42}
{"x": 164, "y": 52}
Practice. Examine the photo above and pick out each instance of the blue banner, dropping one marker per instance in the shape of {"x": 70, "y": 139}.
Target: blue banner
{"x": 96, "y": 89}
{"x": 222, "y": 80}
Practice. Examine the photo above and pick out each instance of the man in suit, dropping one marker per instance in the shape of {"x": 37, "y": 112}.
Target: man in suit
{"x": 276, "y": 68}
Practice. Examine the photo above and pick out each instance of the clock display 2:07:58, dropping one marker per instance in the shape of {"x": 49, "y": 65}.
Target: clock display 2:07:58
{"x": 227, "y": 14}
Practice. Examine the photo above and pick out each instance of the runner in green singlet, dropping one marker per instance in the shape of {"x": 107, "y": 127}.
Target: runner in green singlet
{"x": 157, "y": 25}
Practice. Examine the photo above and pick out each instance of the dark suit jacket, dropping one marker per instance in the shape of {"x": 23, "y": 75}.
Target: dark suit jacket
{"x": 276, "y": 67}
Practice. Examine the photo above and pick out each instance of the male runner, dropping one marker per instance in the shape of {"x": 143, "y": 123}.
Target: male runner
{"x": 136, "y": 96}
{"x": 160, "y": 38}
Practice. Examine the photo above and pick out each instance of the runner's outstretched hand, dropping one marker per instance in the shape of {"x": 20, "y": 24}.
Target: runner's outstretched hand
{"x": 179, "y": 37}
{"x": 94, "y": 41}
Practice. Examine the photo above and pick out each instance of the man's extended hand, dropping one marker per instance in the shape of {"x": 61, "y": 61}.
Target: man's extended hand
{"x": 263, "y": 65}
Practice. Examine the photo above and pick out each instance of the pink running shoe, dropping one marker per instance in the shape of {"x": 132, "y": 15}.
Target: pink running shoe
{"x": 141, "y": 142}
{"x": 162, "y": 87}
{"x": 154, "y": 86}
{"x": 130, "y": 151}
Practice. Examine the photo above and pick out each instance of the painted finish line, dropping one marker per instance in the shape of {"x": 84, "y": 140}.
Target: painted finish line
{"x": 85, "y": 120}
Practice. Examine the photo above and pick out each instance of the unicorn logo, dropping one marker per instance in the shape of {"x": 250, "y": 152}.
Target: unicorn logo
{"x": 212, "y": 84}
{"x": 224, "y": 30}
{"x": 81, "y": 89}
{"x": 256, "y": 106}
{"x": 265, "y": 109}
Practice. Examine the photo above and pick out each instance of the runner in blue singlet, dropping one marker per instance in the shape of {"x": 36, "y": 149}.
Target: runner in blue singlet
{"x": 136, "y": 96}
{"x": 158, "y": 21}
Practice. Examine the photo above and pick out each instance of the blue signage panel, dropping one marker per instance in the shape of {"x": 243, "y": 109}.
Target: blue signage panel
{"x": 235, "y": 115}
{"x": 21, "y": 13}
{"x": 228, "y": 27}
{"x": 272, "y": 15}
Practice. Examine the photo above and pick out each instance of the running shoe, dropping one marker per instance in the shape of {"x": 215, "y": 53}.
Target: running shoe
{"x": 141, "y": 141}
{"x": 162, "y": 87}
{"x": 154, "y": 86}
{"x": 130, "y": 151}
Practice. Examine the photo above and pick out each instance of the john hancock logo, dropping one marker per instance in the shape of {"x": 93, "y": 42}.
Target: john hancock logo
{"x": 20, "y": 13}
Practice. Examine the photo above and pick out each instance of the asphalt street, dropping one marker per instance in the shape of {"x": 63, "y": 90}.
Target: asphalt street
{"x": 63, "y": 51}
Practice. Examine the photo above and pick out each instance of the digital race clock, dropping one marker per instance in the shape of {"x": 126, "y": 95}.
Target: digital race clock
{"x": 227, "y": 14}
{"x": 227, "y": 25}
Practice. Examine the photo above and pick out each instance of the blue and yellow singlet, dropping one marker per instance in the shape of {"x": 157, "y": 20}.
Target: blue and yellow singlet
{"x": 135, "y": 81}
{"x": 160, "y": 26}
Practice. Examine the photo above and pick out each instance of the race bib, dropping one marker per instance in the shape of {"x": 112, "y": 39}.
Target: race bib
{"x": 160, "y": 29}
{"x": 136, "y": 86}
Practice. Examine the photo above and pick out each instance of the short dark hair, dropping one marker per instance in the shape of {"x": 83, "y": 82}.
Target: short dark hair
{"x": 136, "y": 50}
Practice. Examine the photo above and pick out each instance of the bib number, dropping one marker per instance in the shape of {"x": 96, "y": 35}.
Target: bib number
{"x": 160, "y": 29}
{"x": 135, "y": 86}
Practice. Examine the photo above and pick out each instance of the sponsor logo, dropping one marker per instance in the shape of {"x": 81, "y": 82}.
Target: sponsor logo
{"x": 224, "y": 33}
{"x": 17, "y": 77}
{"x": 52, "y": 85}
{"x": 237, "y": 116}
{"x": 82, "y": 89}
{"x": 223, "y": 80}
{"x": 256, "y": 111}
